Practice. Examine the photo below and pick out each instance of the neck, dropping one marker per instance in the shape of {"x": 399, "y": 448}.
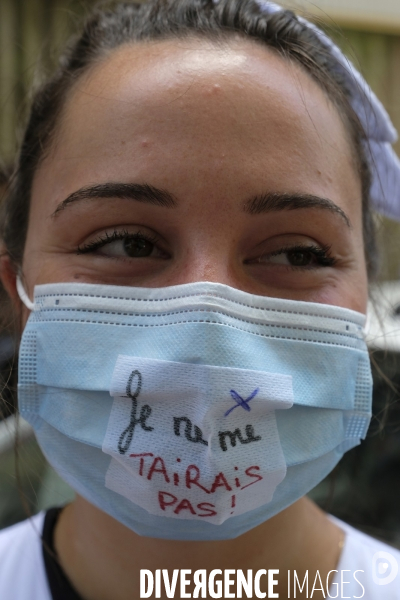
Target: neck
{"x": 103, "y": 559}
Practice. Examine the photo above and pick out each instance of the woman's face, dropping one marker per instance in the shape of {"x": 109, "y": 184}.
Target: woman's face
{"x": 182, "y": 161}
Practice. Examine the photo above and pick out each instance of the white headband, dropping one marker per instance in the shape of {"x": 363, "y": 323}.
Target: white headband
{"x": 379, "y": 129}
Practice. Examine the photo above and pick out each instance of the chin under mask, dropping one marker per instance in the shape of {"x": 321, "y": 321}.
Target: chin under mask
{"x": 193, "y": 412}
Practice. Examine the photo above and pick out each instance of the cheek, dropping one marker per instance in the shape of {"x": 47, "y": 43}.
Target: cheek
{"x": 348, "y": 290}
{"x": 359, "y": 287}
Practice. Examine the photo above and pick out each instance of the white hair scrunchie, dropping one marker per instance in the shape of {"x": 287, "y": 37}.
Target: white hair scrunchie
{"x": 379, "y": 130}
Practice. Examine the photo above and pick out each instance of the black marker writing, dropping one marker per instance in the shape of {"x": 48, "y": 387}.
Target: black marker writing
{"x": 197, "y": 437}
{"x": 145, "y": 412}
{"x": 237, "y": 435}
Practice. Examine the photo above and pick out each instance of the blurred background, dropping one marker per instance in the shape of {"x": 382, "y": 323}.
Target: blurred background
{"x": 365, "y": 487}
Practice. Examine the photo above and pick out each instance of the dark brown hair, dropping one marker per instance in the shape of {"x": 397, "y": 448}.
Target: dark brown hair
{"x": 123, "y": 23}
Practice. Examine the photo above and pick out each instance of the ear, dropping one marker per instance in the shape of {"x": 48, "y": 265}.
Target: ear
{"x": 8, "y": 277}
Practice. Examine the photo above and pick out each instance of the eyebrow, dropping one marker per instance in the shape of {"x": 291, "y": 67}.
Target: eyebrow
{"x": 124, "y": 191}
{"x": 276, "y": 201}
{"x": 264, "y": 203}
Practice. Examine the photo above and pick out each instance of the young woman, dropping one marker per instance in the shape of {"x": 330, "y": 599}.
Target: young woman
{"x": 187, "y": 242}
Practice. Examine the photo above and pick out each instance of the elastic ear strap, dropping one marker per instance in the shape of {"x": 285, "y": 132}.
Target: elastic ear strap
{"x": 23, "y": 295}
{"x": 367, "y": 325}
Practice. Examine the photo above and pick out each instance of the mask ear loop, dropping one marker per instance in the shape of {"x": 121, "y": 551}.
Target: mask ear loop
{"x": 23, "y": 295}
{"x": 367, "y": 325}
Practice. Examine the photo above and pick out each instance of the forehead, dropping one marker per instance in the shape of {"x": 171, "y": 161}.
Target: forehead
{"x": 174, "y": 108}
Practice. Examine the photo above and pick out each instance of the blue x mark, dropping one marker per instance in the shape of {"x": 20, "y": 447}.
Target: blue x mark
{"x": 241, "y": 402}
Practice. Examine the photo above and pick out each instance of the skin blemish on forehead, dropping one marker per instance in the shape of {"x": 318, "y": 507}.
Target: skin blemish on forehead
{"x": 227, "y": 163}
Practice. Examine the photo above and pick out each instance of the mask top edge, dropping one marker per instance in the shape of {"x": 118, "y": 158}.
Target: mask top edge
{"x": 70, "y": 292}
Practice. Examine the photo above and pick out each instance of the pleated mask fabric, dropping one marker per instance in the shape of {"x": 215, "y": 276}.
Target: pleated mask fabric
{"x": 193, "y": 412}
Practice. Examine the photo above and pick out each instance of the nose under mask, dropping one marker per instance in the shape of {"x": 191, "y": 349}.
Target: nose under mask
{"x": 193, "y": 412}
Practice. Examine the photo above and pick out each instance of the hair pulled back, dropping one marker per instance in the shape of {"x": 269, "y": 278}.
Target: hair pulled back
{"x": 120, "y": 23}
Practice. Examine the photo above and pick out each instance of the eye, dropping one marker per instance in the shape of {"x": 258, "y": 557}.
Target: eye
{"x": 121, "y": 244}
{"x": 136, "y": 247}
{"x": 300, "y": 257}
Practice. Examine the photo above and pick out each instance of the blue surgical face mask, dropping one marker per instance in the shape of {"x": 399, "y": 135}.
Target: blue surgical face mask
{"x": 193, "y": 412}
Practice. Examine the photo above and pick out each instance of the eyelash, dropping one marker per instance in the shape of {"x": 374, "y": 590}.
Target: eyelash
{"x": 106, "y": 238}
{"x": 322, "y": 254}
